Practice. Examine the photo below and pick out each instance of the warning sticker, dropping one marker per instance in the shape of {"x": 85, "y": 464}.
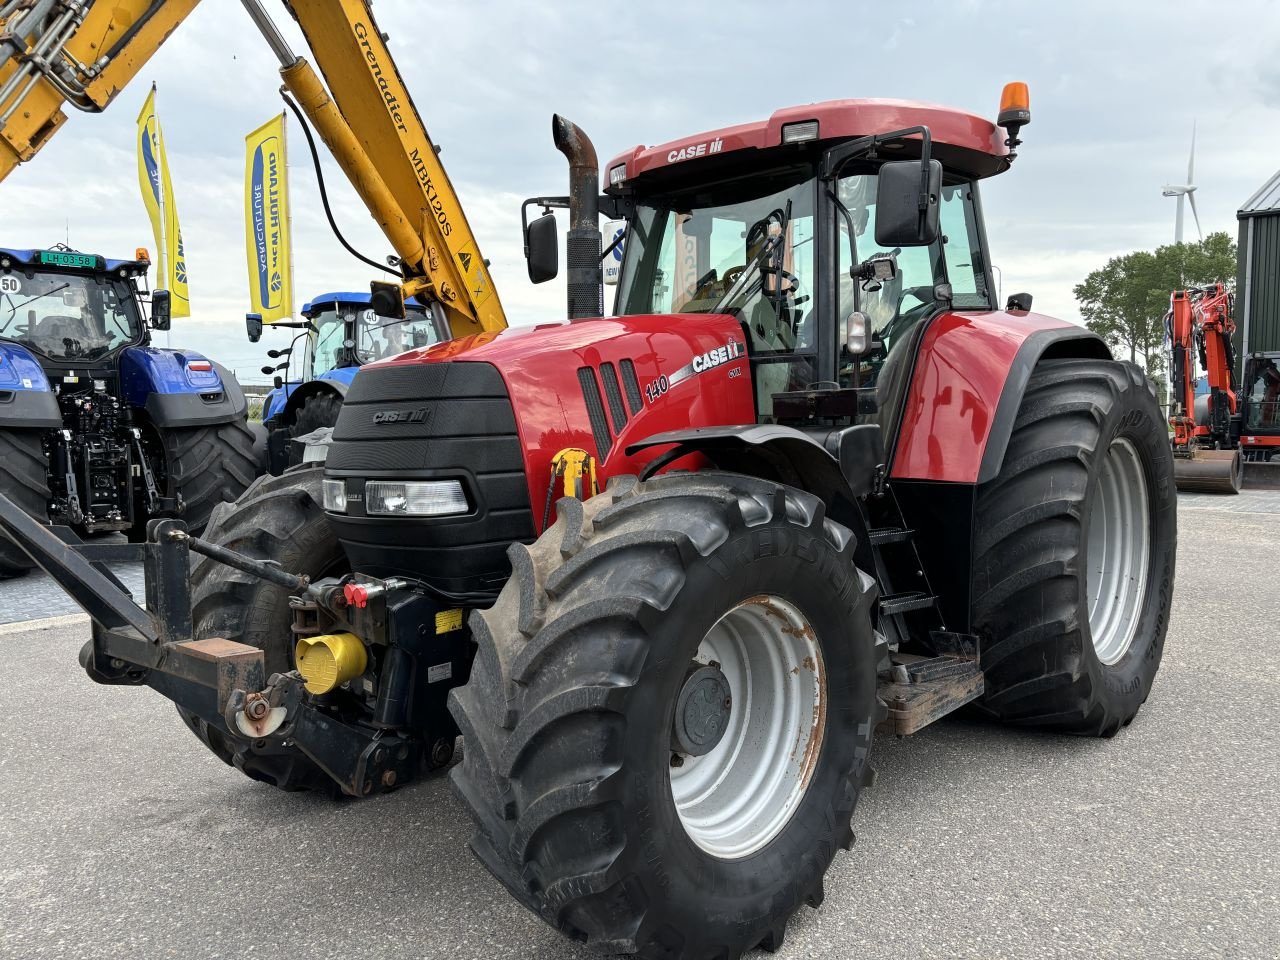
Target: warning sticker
{"x": 448, "y": 621}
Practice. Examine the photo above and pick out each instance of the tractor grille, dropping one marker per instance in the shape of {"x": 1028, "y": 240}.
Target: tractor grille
{"x": 433, "y": 421}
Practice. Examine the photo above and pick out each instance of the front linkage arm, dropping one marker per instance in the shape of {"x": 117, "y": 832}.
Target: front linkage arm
{"x": 222, "y": 681}
{"x": 128, "y": 641}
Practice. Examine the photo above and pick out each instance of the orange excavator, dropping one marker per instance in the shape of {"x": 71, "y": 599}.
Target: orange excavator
{"x": 1206, "y": 429}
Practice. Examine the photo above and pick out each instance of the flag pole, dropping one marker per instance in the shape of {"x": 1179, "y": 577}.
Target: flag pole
{"x": 163, "y": 268}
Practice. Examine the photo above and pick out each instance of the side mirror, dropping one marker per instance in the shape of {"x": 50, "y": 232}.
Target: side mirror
{"x": 542, "y": 248}
{"x": 253, "y": 326}
{"x": 900, "y": 221}
{"x": 387, "y": 299}
{"x": 1019, "y": 301}
{"x": 161, "y": 318}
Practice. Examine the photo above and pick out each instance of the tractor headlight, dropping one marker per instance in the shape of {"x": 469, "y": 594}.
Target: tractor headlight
{"x": 335, "y": 495}
{"x": 421, "y": 498}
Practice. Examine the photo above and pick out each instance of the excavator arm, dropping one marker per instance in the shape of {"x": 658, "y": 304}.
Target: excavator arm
{"x": 55, "y": 52}
{"x": 84, "y": 53}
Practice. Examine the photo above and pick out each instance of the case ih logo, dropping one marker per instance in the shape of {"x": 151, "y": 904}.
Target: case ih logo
{"x": 401, "y": 416}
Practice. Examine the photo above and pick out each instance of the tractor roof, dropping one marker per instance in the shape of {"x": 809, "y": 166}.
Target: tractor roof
{"x": 962, "y": 141}
{"x": 356, "y": 298}
{"x": 65, "y": 258}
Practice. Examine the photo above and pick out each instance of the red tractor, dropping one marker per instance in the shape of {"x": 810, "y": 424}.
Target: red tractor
{"x": 669, "y": 572}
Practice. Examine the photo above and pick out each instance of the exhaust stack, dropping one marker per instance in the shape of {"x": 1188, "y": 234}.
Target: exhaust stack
{"x": 582, "y": 249}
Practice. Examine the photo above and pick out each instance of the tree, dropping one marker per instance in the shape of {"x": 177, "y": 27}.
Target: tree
{"x": 1125, "y": 301}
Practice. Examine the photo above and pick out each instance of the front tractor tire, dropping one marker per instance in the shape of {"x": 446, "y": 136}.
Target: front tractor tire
{"x": 1074, "y": 546}
{"x": 668, "y": 718}
{"x": 278, "y": 519}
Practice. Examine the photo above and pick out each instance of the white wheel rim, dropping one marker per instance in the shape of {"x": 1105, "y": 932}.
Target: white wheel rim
{"x": 733, "y": 800}
{"x": 1118, "y": 548}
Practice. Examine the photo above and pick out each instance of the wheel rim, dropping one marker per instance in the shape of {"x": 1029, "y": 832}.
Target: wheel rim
{"x": 1119, "y": 550}
{"x": 733, "y": 800}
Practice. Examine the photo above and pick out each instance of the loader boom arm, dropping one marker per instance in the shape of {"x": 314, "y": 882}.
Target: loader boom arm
{"x": 56, "y": 52}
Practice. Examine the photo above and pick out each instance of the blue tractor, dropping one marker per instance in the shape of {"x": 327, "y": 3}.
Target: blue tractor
{"x": 99, "y": 430}
{"x": 339, "y": 333}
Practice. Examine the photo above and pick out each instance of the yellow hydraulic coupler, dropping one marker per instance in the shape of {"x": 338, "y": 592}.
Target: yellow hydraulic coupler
{"x": 330, "y": 660}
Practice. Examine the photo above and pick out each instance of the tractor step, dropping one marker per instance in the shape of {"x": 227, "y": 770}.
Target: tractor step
{"x": 933, "y": 687}
{"x": 896, "y": 603}
{"x": 881, "y": 536}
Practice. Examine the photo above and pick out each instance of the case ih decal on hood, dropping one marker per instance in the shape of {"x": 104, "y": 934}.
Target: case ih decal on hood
{"x": 733, "y": 350}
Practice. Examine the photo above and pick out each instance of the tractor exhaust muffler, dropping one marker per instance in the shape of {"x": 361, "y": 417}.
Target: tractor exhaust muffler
{"x": 582, "y": 248}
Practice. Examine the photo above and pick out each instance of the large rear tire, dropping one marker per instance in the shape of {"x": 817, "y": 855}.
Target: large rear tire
{"x": 24, "y": 480}
{"x": 629, "y": 614}
{"x": 277, "y": 519}
{"x": 1074, "y": 551}
{"x": 207, "y": 466}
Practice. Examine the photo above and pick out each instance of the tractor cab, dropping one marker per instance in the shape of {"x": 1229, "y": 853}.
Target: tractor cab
{"x": 347, "y": 332}
{"x": 783, "y": 225}
{"x": 71, "y": 309}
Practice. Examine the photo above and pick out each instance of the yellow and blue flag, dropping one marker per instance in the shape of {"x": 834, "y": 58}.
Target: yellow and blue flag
{"x": 157, "y": 196}
{"x": 266, "y": 222}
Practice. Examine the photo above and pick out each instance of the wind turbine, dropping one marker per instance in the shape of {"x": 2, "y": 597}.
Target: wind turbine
{"x": 1185, "y": 191}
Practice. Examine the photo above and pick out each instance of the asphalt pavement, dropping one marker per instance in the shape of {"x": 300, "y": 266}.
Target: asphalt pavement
{"x": 120, "y": 836}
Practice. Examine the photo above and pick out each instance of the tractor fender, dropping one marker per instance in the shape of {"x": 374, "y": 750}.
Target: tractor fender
{"x": 835, "y": 465}
{"x": 26, "y": 399}
{"x": 305, "y": 391}
{"x": 176, "y": 389}
{"x": 969, "y": 377}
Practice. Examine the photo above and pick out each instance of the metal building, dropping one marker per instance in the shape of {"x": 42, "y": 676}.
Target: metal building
{"x": 1258, "y": 273}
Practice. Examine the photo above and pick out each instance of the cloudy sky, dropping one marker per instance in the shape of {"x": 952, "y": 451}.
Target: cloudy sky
{"x": 1115, "y": 88}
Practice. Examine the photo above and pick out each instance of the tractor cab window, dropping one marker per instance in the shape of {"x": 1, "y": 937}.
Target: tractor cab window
{"x": 331, "y": 334}
{"x": 381, "y": 337}
{"x": 743, "y": 247}
{"x": 895, "y": 307}
{"x": 68, "y": 316}
{"x": 350, "y": 333}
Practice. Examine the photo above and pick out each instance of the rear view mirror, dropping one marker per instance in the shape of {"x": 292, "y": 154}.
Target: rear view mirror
{"x": 160, "y": 310}
{"x": 253, "y": 326}
{"x": 900, "y": 220}
{"x": 387, "y": 299}
{"x": 542, "y": 248}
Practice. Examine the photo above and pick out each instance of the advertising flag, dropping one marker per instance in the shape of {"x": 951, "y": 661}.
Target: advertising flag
{"x": 157, "y": 196}
{"x": 266, "y": 222}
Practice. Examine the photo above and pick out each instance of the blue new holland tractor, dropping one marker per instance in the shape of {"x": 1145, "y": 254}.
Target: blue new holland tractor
{"x": 99, "y": 430}
{"x": 338, "y": 334}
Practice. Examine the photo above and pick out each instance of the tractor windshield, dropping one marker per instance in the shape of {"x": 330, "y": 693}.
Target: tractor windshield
{"x": 352, "y": 334}
{"x": 687, "y": 253}
{"x": 69, "y": 316}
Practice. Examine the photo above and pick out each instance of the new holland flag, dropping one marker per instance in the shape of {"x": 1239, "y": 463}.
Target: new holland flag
{"x": 266, "y": 222}
{"x": 157, "y": 196}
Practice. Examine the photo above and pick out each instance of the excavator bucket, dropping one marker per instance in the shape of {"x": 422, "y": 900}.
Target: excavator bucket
{"x": 1262, "y": 474}
{"x": 1209, "y": 471}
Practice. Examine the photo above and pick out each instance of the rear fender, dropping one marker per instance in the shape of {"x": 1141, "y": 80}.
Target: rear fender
{"x": 300, "y": 395}
{"x": 970, "y": 375}
{"x": 175, "y": 390}
{"x": 26, "y": 399}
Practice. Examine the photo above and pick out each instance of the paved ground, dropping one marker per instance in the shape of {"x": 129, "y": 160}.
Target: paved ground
{"x": 121, "y": 837}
